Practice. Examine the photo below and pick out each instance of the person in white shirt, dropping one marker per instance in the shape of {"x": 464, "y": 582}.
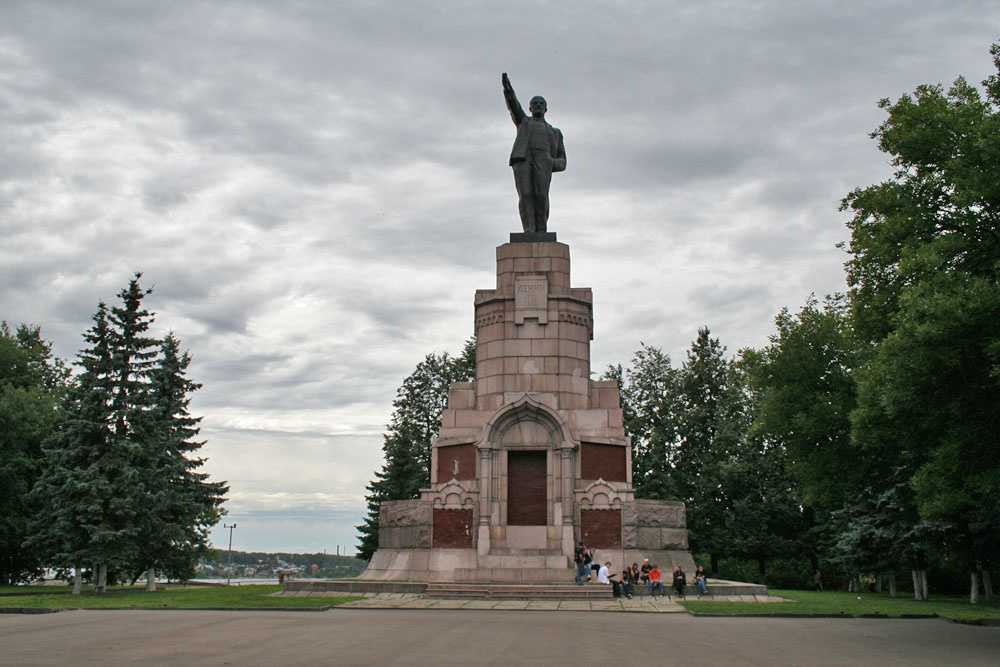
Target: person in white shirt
{"x": 602, "y": 574}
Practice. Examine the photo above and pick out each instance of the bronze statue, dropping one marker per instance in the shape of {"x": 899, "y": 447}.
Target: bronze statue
{"x": 538, "y": 151}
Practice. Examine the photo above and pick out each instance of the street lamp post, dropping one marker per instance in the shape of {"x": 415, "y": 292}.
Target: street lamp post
{"x": 229, "y": 573}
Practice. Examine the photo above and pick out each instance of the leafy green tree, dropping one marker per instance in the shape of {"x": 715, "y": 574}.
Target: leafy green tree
{"x": 806, "y": 393}
{"x": 415, "y": 422}
{"x": 32, "y": 383}
{"x": 924, "y": 273}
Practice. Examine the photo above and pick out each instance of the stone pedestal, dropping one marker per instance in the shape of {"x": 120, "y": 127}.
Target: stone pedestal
{"x": 532, "y": 456}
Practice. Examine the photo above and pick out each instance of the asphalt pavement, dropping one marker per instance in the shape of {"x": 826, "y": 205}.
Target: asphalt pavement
{"x": 480, "y": 637}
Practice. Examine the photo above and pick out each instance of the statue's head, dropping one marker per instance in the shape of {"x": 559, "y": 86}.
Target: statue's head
{"x": 537, "y": 106}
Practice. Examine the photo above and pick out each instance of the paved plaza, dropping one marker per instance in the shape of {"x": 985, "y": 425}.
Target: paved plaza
{"x": 480, "y": 637}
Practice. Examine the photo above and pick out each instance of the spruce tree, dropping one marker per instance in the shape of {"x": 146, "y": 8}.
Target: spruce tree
{"x": 72, "y": 489}
{"x": 182, "y": 504}
{"x": 414, "y": 424}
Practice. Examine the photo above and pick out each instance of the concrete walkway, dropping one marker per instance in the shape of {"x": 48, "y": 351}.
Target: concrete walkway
{"x": 403, "y": 637}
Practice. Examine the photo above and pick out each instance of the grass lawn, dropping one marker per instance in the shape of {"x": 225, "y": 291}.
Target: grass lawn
{"x": 849, "y": 604}
{"x": 195, "y": 597}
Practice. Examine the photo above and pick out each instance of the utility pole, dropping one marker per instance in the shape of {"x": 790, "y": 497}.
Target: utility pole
{"x": 229, "y": 573}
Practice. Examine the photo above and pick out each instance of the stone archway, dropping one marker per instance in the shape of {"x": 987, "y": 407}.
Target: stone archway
{"x": 526, "y": 467}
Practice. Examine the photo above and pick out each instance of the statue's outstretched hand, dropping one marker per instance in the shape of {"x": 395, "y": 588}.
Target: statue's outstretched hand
{"x": 505, "y": 81}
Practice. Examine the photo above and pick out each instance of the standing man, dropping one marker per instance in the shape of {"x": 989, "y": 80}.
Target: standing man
{"x": 538, "y": 151}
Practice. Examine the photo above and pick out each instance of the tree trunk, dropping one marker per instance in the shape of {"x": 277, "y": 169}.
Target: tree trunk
{"x": 102, "y": 578}
{"x": 987, "y": 586}
{"x": 923, "y": 585}
{"x": 917, "y": 588}
{"x": 878, "y": 583}
{"x": 151, "y": 580}
{"x": 762, "y": 569}
{"x": 974, "y": 588}
{"x": 715, "y": 565}
{"x": 77, "y": 579}
{"x": 892, "y": 584}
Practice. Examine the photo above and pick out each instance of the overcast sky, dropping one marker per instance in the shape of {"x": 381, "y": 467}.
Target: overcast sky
{"x": 315, "y": 190}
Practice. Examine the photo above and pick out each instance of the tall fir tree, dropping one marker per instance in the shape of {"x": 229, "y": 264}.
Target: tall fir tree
{"x": 406, "y": 446}
{"x": 120, "y": 491}
{"x": 72, "y": 488}
{"x": 182, "y": 503}
{"x": 704, "y": 387}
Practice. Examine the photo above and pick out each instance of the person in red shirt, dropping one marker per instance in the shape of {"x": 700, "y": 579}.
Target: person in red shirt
{"x": 655, "y": 580}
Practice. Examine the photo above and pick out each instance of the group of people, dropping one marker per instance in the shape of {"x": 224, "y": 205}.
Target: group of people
{"x": 648, "y": 575}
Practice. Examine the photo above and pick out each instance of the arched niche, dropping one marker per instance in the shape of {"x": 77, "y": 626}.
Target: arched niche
{"x": 526, "y": 424}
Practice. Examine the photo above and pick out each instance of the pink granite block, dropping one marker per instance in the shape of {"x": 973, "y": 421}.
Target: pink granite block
{"x": 530, "y": 365}
{"x": 517, "y": 348}
{"x": 558, "y": 281}
{"x": 470, "y": 418}
{"x": 590, "y": 420}
{"x": 568, "y": 348}
{"x": 494, "y": 349}
{"x": 447, "y": 418}
{"x": 607, "y": 398}
{"x": 546, "y": 383}
{"x": 489, "y": 402}
{"x": 583, "y": 351}
{"x": 505, "y": 265}
{"x": 552, "y": 363}
{"x": 520, "y": 250}
{"x": 560, "y": 265}
{"x": 568, "y": 401}
{"x": 574, "y": 385}
{"x": 462, "y": 399}
{"x": 524, "y": 265}
{"x": 532, "y": 329}
{"x": 517, "y": 382}
{"x": 505, "y": 282}
{"x": 490, "y": 367}
{"x": 545, "y": 347}
{"x": 489, "y": 333}
{"x": 577, "y": 367}
{"x": 615, "y": 418}
{"x": 511, "y": 365}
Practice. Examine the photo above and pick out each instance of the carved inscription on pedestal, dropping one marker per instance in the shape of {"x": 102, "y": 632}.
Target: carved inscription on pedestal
{"x": 531, "y": 299}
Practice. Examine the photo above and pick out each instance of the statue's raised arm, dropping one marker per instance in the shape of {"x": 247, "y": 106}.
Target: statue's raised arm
{"x": 516, "y": 112}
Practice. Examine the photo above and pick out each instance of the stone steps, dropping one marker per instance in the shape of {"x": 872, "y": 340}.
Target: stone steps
{"x": 524, "y": 561}
{"x": 489, "y": 591}
{"x": 514, "y": 575}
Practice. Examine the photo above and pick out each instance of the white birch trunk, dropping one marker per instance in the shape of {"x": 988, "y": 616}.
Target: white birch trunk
{"x": 987, "y": 586}
{"x": 102, "y": 578}
{"x": 915, "y": 574}
{"x": 923, "y": 585}
{"x": 151, "y": 580}
{"x": 77, "y": 580}
{"x": 974, "y": 588}
{"x": 892, "y": 585}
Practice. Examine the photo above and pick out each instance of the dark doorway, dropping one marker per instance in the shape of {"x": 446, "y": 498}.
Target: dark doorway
{"x": 526, "y": 497}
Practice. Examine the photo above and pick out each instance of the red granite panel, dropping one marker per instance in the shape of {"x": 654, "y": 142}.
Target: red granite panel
{"x": 526, "y": 494}
{"x": 601, "y": 528}
{"x": 456, "y": 457}
{"x": 452, "y": 529}
{"x": 605, "y": 462}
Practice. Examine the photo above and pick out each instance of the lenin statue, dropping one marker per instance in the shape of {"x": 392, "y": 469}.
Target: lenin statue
{"x": 538, "y": 151}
